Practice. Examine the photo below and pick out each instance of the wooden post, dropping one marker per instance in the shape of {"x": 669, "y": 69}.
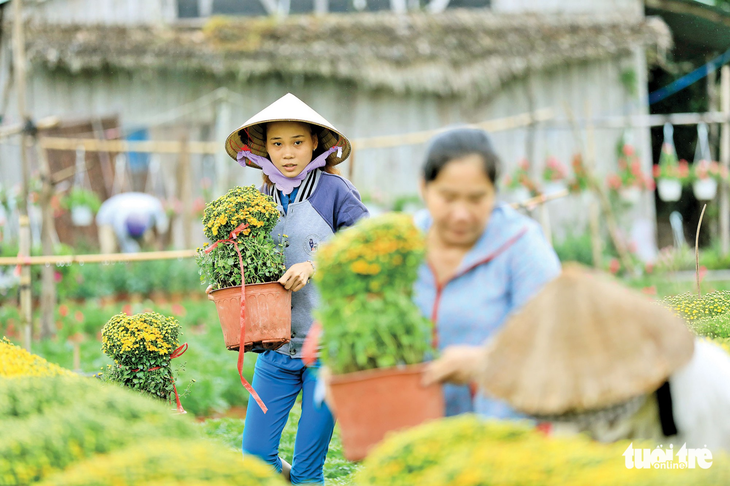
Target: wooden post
{"x": 24, "y": 234}
{"x": 725, "y": 160}
{"x": 186, "y": 193}
{"x": 48, "y": 288}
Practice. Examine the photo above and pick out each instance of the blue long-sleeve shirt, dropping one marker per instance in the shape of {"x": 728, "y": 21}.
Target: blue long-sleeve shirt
{"x": 509, "y": 264}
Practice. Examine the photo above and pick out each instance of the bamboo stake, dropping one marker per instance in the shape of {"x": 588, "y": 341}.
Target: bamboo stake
{"x": 24, "y": 236}
{"x": 98, "y": 258}
{"x": 697, "y": 250}
{"x": 48, "y": 287}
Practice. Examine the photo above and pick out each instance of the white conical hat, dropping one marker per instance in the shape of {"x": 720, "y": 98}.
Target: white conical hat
{"x": 583, "y": 343}
{"x": 286, "y": 108}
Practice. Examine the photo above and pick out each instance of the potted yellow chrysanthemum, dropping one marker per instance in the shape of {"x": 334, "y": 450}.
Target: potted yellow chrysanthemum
{"x": 374, "y": 338}
{"x": 238, "y": 225}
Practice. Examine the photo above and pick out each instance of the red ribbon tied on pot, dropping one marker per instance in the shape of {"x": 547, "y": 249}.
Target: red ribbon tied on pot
{"x": 179, "y": 351}
{"x": 242, "y": 339}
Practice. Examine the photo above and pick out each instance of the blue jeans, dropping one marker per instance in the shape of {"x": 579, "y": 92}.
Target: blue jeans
{"x": 278, "y": 379}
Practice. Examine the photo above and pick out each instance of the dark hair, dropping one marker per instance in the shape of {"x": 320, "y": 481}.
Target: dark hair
{"x": 457, "y": 143}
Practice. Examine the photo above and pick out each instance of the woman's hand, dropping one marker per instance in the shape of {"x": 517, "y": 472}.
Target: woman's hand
{"x": 208, "y": 291}
{"x": 457, "y": 364}
{"x": 297, "y": 276}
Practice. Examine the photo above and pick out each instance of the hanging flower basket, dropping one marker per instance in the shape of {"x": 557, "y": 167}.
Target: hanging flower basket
{"x": 669, "y": 189}
{"x": 82, "y": 215}
{"x": 705, "y": 189}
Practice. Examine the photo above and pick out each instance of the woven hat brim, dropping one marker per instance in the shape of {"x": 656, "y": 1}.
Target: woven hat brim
{"x": 583, "y": 343}
{"x": 287, "y": 108}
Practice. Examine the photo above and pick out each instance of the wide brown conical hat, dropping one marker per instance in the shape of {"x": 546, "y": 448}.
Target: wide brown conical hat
{"x": 584, "y": 342}
{"x": 286, "y": 108}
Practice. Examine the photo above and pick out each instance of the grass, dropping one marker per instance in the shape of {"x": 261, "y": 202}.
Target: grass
{"x": 337, "y": 469}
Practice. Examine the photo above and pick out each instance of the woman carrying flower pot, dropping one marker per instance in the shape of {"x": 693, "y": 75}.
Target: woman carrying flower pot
{"x": 484, "y": 259}
{"x": 297, "y": 150}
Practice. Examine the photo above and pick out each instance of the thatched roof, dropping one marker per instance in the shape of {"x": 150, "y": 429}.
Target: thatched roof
{"x": 455, "y": 53}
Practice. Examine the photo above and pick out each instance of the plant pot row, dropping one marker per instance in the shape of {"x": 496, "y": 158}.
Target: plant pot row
{"x": 671, "y": 189}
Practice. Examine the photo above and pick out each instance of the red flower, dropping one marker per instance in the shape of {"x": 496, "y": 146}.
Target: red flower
{"x": 614, "y": 182}
{"x": 649, "y": 290}
{"x": 127, "y": 309}
{"x": 79, "y": 316}
{"x": 63, "y": 310}
{"x": 628, "y": 150}
{"x": 649, "y": 268}
{"x": 178, "y": 310}
{"x": 657, "y": 171}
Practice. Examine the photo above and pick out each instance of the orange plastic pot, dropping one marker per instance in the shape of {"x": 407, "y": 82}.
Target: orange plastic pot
{"x": 370, "y": 404}
{"x": 268, "y": 315}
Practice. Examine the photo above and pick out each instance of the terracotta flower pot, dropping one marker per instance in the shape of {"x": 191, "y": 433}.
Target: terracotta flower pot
{"x": 370, "y": 404}
{"x": 268, "y": 315}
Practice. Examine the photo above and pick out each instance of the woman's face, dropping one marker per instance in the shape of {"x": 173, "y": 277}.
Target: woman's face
{"x": 290, "y": 146}
{"x": 460, "y": 201}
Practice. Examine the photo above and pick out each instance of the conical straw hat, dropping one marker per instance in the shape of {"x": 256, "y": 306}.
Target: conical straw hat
{"x": 286, "y": 108}
{"x": 583, "y": 343}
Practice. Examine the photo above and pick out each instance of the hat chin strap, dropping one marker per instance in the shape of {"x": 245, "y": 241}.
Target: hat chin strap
{"x": 283, "y": 183}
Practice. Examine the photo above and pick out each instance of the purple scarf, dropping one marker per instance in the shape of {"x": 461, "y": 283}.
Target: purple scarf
{"x": 283, "y": 183}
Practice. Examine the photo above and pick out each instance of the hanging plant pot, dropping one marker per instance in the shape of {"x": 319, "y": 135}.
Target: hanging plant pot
{"x": 669, "y": 189}
{"x": 82, "y": 215}
{"x": 553, "y": 187}
{"x": 705, "y": 189}
{"x": 268, "y": 315}
{"x": 631, "y": 195}
{"x": 370, "y": 404}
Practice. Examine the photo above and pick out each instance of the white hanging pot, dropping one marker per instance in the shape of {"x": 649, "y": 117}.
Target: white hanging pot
{"x": 669, "y": 189}
{"x": 705, "y": 189}
{"x": 81, "y": 215}
{"x": 554, "y": 186}
{"x": 631, "y": 195}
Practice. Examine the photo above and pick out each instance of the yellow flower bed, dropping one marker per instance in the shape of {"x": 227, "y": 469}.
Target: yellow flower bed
{"x": 240, "y": 205}
{"x": 160, "y": 462}
{"x": 692, "y": 308}
{"x": 468, "y": 451}
{"x": 16, "y": 362}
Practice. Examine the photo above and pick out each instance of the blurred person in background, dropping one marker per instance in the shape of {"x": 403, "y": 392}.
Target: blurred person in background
{"x": 588, "y": 355}
{"x": 127, "y": 219}
{"x": 484, "y": 259}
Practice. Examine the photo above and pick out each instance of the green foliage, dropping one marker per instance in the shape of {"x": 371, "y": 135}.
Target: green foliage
{"x": 162, "y": 461}
{"x": 715, "y": 327}
{"x": 469, "y": 451}
{"x": 141, "y": 346}
{"x": 367, "y": 332}
{"x": 263, "y": 261}
{"x": 365, "y": 275}
{"x": 81, "y": 197}
{"x": 46, "y": 424}
{"x": 216, "y": 385}
{"x": 693, "y": 308}
{"x": 575, "y": 248}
